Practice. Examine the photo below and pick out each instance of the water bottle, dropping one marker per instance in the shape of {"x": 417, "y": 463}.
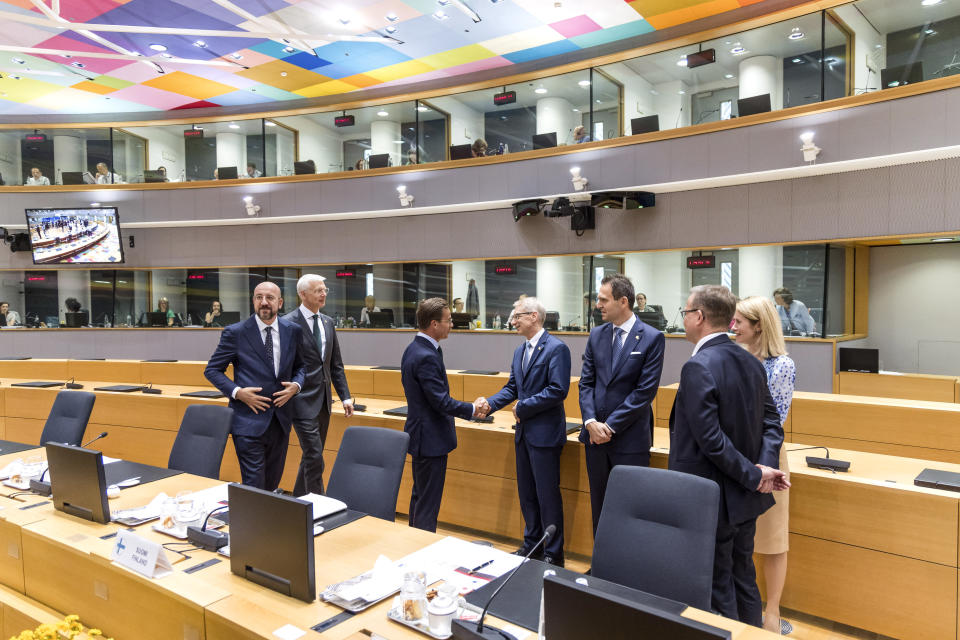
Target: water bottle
{"x": 128, "y": 320}
{"x": 106, "y": 321}
{"x": 497, "y": 322}
{"x": 189, "y": 320}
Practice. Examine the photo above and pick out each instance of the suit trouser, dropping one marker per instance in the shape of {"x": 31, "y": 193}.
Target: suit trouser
{"x": 735, "y": 591}
{"x": 428, "y": 478}
{"x": 601, "y": 459}
{"x": 312, "y": 433}
{"x": 538, "y": 485}
{"x": 261, "y": 457}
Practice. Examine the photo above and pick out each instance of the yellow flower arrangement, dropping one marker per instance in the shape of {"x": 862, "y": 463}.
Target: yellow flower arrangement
{"x": 69, "y": 628}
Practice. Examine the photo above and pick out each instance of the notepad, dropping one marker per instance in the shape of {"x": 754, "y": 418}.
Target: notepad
{"x": 323, "y": 506}
{"x": 205, "y": 393}
{"x": 39, "y": 384}
{"x": 120, "y": 388}
{"x": 396, "y": 411}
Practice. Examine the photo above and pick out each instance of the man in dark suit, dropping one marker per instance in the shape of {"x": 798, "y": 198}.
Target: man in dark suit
{"x": 430, "y": 411}
{"x": 264, "y": 352}
{"x": 619, "y": 380}
{"x": 725, "y": 427}
{"x": 320, "y": 351}
{"x": 539, "y": 380}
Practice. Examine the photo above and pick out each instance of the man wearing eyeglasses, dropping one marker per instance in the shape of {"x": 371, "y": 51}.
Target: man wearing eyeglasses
{"x": 323, "y": 364}
{"x": 430, "y": 411}
{"x": 620, "y": 377}
{"x": 725, "y": 427}
{"x": 539, "y": 381}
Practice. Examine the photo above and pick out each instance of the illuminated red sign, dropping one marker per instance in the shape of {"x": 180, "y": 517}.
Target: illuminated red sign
{"x": 343, "y": 121}
{"x": 507, "y": 97}
{"x": 193, "y": 133}
{"x": 36, "y": 278}
{"x": 505, "y": 270}
{"x": 701, "y": 262}
{"x": 196, "y": 276}
{"x": 346, "y": 273}
{"x": 35, "y": 137}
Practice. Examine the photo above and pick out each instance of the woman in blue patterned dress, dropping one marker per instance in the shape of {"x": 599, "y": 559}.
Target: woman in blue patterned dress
{"x": 758, "y": 330}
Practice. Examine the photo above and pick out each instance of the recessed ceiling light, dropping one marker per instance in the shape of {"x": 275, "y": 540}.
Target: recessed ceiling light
{"x": 236, "y": 56}
{"x": 158, "y": 47}
{"x": 201, "y": 44}
{"x": 929, "y": 3}
{"x": 796, "y": 34}
{"x": 941, "y": 240}
{"x": 584, "y": 83}
{"x": 283, "y": 74}
{"x": 94, "y": 204}
{"x": 575, "y": 110}
{"x": 422, "y": 108}
{"x": 728, "y": 76}
{"x": 681, "y": 92}
{"x": 391, "y": 29}
{"x": 541, "y": 90}
{"x": 597, "y": 101}
{"x": 18, "y": 60}
{"x": 166, "y": 55}
{"x": 440, "y": 15}
{"x": 930, "y": 32}
{"x": 796, "y": 61}
{"x": 682, "y": 62}
{"x": 392, "y": 17}
{"x": 78, "y": 64}
{"x": 288, "y": 49}
{"x": 738, "y": 50}
{"x": 382, "y": 113}
{"x": 234, "y": 125}
{"x": 270, "y": 124}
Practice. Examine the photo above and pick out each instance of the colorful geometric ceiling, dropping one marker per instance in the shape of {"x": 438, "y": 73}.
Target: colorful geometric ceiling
{"x": 113, "y": 56}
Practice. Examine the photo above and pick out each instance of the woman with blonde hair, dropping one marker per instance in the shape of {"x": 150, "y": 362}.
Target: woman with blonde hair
{"x": 758, "y": 330}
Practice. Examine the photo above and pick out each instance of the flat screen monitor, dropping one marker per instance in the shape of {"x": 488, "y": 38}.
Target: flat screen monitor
{"x": 901, "y": 75}
{"x": 226, "y": 173}
{"x": 271, "y": 541}
{"x": 545, "y": 140}
{"x": 646, "y": 124}
{"x": 89, "y": 235}
{"x": 378, "y": 161}
{"x": 304, "y": 167}
{"x": 461, "y": 320}
{"x": 76, "y": 319}
{"x": 552, "y": 321}
{"x": 752, "y": 105}
{"x": 381, "y": 319}
{"x": 71, "y": 177}
{"x": 151, "y": 175}
{"x": 460, "y": 152}
{"x": 859, "y": 360}
{"x": 78, "y": 483}
{"x": 226, "y": 318}
{"x": 653, "y": 318}
{"x": 154, "y": 319}
{"x": 575, "y": 611}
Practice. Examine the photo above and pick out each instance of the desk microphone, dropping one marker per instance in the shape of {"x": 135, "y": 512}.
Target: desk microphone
{"x": 208, "y": 540}
{"x": 103, "y": 434}
{"x": 42, "y": 487}
{"x": 72, "y": 384}
{"x": 673, "y": 325}
{"x": 828, "y": 463}
{"x": 461, "y": 630}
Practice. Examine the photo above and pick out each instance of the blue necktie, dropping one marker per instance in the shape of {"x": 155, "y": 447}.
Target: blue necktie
{"x": 617, "y": 345}
{"x": 527, "y": 356}
{"x": 268, "y": 343}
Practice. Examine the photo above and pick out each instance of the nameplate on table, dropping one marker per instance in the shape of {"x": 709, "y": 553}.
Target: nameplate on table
{"x": 141, "y": 555}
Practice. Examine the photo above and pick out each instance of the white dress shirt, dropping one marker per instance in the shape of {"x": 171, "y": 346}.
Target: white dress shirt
{"x": 308, "y": 316}
{"x": 530, "y": 347}
{"x": 42, "y": 181}
{"x": 702, "y": 341}
{"x": 421, "y": 334}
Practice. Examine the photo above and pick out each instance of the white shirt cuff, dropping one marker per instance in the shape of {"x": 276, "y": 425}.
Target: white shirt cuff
{"x": 588, "y": 421}
{"x": 233, "y": 394}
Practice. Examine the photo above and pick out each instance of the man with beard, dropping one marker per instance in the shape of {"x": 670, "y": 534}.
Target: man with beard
{"x": 267, "y": 373}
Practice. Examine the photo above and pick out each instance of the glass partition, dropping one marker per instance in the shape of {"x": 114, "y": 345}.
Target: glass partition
{"x": 385, "y": 295}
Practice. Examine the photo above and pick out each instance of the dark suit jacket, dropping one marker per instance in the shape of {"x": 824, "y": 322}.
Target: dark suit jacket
{"x": 242, "y": 346}
{"x": 541, "y": 389}
{"x": 619, "y": 393}
{"x": 723, "y": 423}
{"x": 318, "y": 373}
{"x": 430, "y": 409}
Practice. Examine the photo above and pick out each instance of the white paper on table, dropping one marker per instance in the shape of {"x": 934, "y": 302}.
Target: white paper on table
{"x": 212, "y": 496}
{"x": 146, "y": 512}
{"x": 11, "y": 469}
{"x": 289, "y": 632}
{"x": 503, "y": 562}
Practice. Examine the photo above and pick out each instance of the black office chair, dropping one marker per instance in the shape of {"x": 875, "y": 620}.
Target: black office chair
{"x": 68, "y": 418}
{"x": 198, "y": 448}
{"x": 657, "y": 533}
{"x": 366, "y": 474}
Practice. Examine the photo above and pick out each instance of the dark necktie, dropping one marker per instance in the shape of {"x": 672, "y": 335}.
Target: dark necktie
{"x": 440, "y": 351}
{"x": 268, "y": 343}
{"x": 617, "y": 345}
{"x": 316, "y": 333}
{"x": 527, "y": 356}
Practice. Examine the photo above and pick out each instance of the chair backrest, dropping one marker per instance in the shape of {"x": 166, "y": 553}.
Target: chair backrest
{"x": 657, "y": 533}
{"x": 68, "y": 418}
{"x": 198, "y": 448}
{"x": 368, "y": 469}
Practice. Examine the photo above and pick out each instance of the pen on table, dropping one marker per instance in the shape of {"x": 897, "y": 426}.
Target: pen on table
{"x": 485, "y": 564}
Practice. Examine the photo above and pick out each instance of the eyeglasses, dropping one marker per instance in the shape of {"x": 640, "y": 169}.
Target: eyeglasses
{"x": 684, "y": 312}
{"x": 523, "y": 313}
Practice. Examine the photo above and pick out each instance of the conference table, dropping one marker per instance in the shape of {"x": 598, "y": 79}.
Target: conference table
{"x": 868, "y": 548}
{"x": 62, "y": 562}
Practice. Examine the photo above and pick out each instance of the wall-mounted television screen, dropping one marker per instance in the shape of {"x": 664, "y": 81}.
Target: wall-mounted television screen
{"x": 75, "y": 236}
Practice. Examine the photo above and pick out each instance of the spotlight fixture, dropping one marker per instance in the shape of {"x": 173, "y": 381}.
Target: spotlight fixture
{"x": 158, "y": 47}
{"x": 233, "y": 125}
{"x": 561, "y": 207}
{"x": 541, "y": 90}
{"x": 382, "y": 113}
{"x": 623, "y": 200}
{"x": 283, "y": 74}
{"x": 78, "y": 64}
{"x": 810, "y": 150}
{"x": 728, "y": 76}
{"x": 200, "y": 43}
{"x": 738, "y": 50}
{"x": 422, "y": 108}
{"x": 584, "y": 83}
{"x": 579, "y": 182}
{"x": 288, "y": 49}
{"x": 524, "y": 208}
{"x": 252, "y": 209}
{"x": 796, "y": 34}
{"x": 405, "y": 199}
{"x": 270, "y": 123}
{"x": 440, "y": 15}
{"x": 166, "y": 55}
{"x": 392, "y": 17}
{"x": 390, "y": 29}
